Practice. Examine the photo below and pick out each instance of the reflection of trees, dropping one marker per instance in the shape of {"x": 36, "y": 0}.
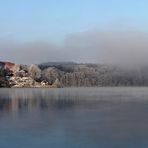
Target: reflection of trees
{"x": 4, "y": 104}
{"x": 20, "y": 99}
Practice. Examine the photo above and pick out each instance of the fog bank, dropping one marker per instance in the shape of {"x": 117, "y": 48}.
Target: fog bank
{"x": 128, "y": 48}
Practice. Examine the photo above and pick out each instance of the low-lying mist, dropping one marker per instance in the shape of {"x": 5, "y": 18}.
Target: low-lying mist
{"x": 126, "y": 48}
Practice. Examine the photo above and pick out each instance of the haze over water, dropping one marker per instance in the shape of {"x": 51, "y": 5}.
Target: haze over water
{"x": 74, "y": 117}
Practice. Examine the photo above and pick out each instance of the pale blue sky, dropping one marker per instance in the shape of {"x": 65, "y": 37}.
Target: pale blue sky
{"x": 52, "y": 20}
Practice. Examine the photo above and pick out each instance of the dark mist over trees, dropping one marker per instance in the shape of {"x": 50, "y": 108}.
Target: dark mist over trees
{"x": 72, "y": 74}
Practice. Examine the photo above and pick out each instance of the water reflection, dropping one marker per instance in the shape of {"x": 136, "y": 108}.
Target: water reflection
{"x": 74, "y": 117}
{"x": 19, "y": 99}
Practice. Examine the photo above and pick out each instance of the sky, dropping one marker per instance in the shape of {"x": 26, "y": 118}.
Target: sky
{"x": 72, "y": 28}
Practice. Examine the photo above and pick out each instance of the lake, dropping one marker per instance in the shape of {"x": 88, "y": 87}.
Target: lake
{"x": 74, "y": 118}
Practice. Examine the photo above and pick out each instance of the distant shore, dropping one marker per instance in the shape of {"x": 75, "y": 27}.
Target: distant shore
{"x": 69, "y": 74}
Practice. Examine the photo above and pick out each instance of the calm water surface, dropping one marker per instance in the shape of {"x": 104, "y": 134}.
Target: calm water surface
{"x": 74, "y": 118}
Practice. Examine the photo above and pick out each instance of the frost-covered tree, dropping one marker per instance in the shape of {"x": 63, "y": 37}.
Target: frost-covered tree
{"x": 34, "y": 72}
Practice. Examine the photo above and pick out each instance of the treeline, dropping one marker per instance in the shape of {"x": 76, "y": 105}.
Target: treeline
{"x": 3, "y": 76}
{"x": 72, "y": 74}
{"x": 68, "y": 74}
